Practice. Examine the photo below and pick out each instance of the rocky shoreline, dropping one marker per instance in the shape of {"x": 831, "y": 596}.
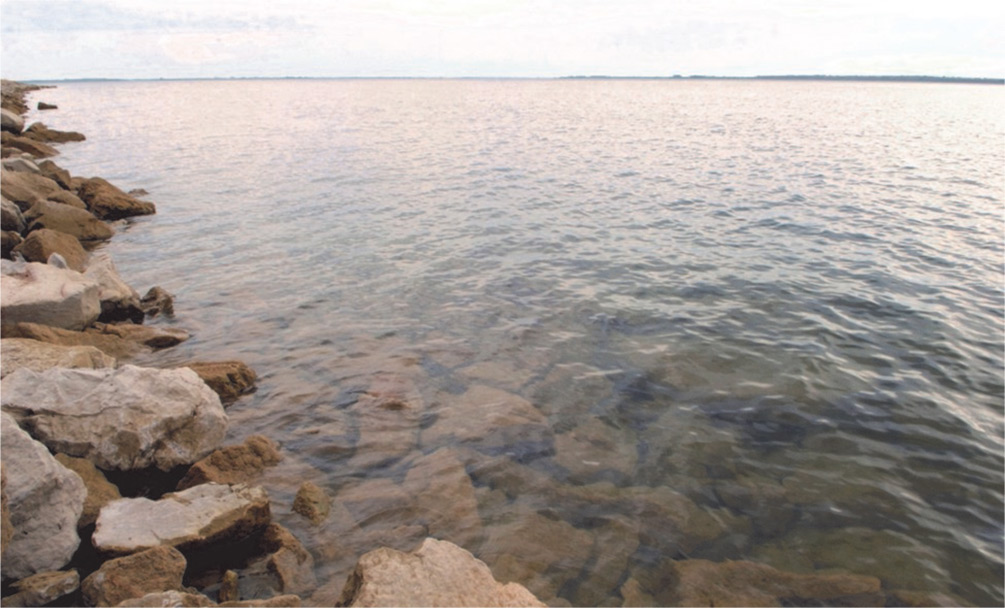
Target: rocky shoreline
{"x": 117, "y": 488}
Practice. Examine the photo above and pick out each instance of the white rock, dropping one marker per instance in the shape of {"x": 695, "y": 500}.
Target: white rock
{"x": 113, "y": 292}
{"x": 40, "y": 293}
{"x": 126, "y": 418}
{"x": 191, "y": 518}
{"x": 45, "y": 501}
{"x": 16, "y": 353}
{"x": 438, "y": 573}
{"x": 20, "y": 164}
{"x": 11, "y": 121}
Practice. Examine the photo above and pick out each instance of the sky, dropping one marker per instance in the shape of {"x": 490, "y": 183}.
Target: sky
{"x": 63, "y": 39}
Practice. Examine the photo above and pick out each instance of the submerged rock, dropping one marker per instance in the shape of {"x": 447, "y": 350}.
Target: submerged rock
{"x": 45, "y": 501}
{"x": 43, "y": 588}
{"x": 439, "y": 573}
{"x": 233, "y": 464}
{"x": 45, "y": 294}
{"x": 150, "y": 571}
{"x": 125, "y": 418}
{"x": 444, "y": 498}
{"x": 193, "y": 518}
{"x": 109, "y": 203}
{"x": 16, "y": 353}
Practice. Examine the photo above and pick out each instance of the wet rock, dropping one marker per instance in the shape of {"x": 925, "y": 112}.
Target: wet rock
{"x": 45, "y": 501}
{"x": 66, "y": 218}
{"x": 8, "y": 241}
{"x": 614, "y": 543}
{"x": 193, "y": 518}
{"x": 11, "y": 121}
{"x": 230, "y": 379}
{"x": 41, "y": 293}
{"x": 125, "y": 418}
{"x": 176, "y": 599}
{"x": 40, "y": 244}
{"x": 595, "y": 449}
{"x": 374, "y": 501}
{"x": 921, "y": 599}
{"x": 312, "y": 502}
{"x": 109, "y": 203}
{"x": 43, "y": 588}
{"x": 11, "y": 217}
{"x": 153, "y": 337}
{"x": 387, "y": 417}
{"x": 16, "y": 353}
{"x": 699, "y": 582}
{"x": 289, "y": 561}
{"x": 444, "y": 496}
{"x": 39, "y": 132}
{"x": 112, "y": 344}
{"x": 47, "y": 106}
{"x": 278, "y": 601}
{"x": 233, "y": 464}
{"x": 100, "y": 491}
{"x": 635, "y": 595}
{"x": 762, "y": 500}
{"x": 56, "y": 173}
{"x": 24, "y": 189}
{"x": 439, "y": 573}
{"x": 119, "y": 301}
{"x": 25, "y": 144}
{"x": 157, "y": 301}
{"x": 6, "y": 529}
{"x": 150, "y": 571}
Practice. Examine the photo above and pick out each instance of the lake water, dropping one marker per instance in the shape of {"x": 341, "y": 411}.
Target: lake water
{"x": 581, "y": 327}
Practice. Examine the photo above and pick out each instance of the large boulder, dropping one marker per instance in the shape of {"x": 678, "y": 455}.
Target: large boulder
{"x": 25, "y": 144}
{"x": 39, "y": 132}
{"x": 45, "y": 294}
{"x": 119, "y": 301}
{"x": 109, "y": 203}
{"x": 234, "y": 463}
{"x": 43, "y": 588}
{"x": 438, "y": 573}
{"x": 100, "y": 491}
{"x": 230, "y": 379}
{"x": 150, "y": 571}
{"x": 118, "y": 341}
{"x": 40, "y": 244}
{"x": 16, "y": 353}
{"x": 25, "y": 189}
{"x": 69, "y": 219}
{"x": 45, "y": 501}
{"x": 11, "y": 217}
{"x": 11, "y": 122}
{"x": 125, "y": 418}
{"x": 190, "y": 519}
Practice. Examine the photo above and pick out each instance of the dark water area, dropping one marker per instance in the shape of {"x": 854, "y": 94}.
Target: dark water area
{"x": 626, "y": 321}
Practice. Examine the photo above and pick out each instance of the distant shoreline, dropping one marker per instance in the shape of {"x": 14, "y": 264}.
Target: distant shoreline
{"x": 791, "y": 77}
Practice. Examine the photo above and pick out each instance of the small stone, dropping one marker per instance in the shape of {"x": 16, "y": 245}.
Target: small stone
{"x": 233, "y": 464}
{"x": 230, "y": 379}
{"x": 228, "y": 587}
{"x": 41, "y": 293}
{"x": 157, "y": 301}
{"x": 312, "y": 502}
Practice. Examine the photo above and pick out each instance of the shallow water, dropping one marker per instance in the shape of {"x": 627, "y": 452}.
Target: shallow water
{"x": 646, "y": 319}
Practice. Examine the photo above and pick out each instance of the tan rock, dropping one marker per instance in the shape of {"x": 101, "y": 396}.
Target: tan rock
{"x": 444, "y": 498}
{"x": 596, "y": 447}
{"x": 65, "y": 218}
{"x": 40, "y": 244}
{"x": 387, "y": 417}
{"x": 43, "y": 588}
{"x": 233, "y": 464}
{"x": 16, "y": 353}
{"x": 110, "y": 344}
{"x": 8, "y": 241}
{"x": 228, "y": 587}
{"x": 56, "y": 173}
{"x": 25, "y": 189}
{"x": 109, "y": 203}
{"x": 175, "y": 599}
{"x": 39, "y": 132}
{"x": 312, "y": 502}
{"x": 25, "y": 144}
{"x": 230, "y": 379}
{"x": 277, "y": 601}
{"x": 439, "y": 573}
{"x": 100, "y": 491}
{"x": 154, "y": 337}
{"x": 157, "y": 301}
{"x": 153, "y": 570}
{"x": 289, "y": 562}
{"x": 6, "y": 529}
{"x": 635, "y": 595}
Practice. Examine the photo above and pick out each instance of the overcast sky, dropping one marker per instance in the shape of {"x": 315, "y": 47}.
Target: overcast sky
{"x": 55, "y": 39}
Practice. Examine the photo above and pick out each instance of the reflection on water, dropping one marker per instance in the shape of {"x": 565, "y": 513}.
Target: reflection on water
{"x": 582, "y": 328}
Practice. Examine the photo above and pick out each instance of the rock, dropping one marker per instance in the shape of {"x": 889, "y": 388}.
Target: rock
{"x": 26, "y": 144}
{"x": 112, "y": 340}
{"x": 24, "y": 189}
{"x": 125, "y": 418}
{"x": 439, "y": 573}
{"x": 289, "y": 562}
{"x": 387, "y": 414}
{"x": 11, "y": 122}
{"x": 230, "y": 379}
{"x": 41, "y": 293}
{"x": 153, "y": 570}
{"x": 228, "y": 587}
{"x": 16, "y": 353}
{"x": 109, "y": 203}
{"x": 444, "y": 498}
{"x": 100, "y": 491}
{"x": 634, "y": 595}
{"x": 66, "y": 218}
{"x": 614, "y": 543}
{"x": 154, "y": 337}
{"x": 40, "y": 244}
{"x": 595, "y": 449}
{"x": 66, "y": 198}
{"x": 233, "y": 464}
{"x": 56, "y": 173}
{"x": 47, "y": 106}
{"x": 43, "y": 588}
{"x": 697, "y": 582}
{"x": 45, "y": 501}
{"x": 20, "y": 164}
{"x": 278, "y": 601}
{"x": 39, "y": 132}
{"x": 11, "y": 217}
{"x": 157, "y": 301}
{"x": 193, "y": 518}
{"x": 8, "y": 241}
{"x": 312, "y": 502}
{"x": 6, "y": 529}
{"x": 177, "y": 599}
{"x": 119, "y": 301}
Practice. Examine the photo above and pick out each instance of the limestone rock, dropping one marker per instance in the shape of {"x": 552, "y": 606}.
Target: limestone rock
{"x": 8, "y": 241}
{"x": 66, "y": 218}
{"x": 25, "y": 144}
{"x": 439, "y": 573}
{"x": 157, "y": 301}
{"x": 125, "y": 418}
{"x": 230, "y": 379}
{"x": 11, "y": 217}
{"x": 40, "y": 244}
{"x": 119, "y": 301}
{"x": 56, "y": 173}
{"x": 697, "y": 582}
{"x": 233, "y": 464}
{"x": 175, "y": 599}
{"x": 153, "y": 570}
{"x": 594, "y": 448}
{"x": 43, "y": 588}
{"x": 45, "y": 501}
{"x": 24, "y": 189}
{"x": 39, "y": 132}
{"x": 11, "y": 121}
{"x": 16, "y": 353}
{"x": 41, "y": 293}
{"x": 109, "y": 203}
{"x": 100, "y": 491}
{"x": 189, "y": 519}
